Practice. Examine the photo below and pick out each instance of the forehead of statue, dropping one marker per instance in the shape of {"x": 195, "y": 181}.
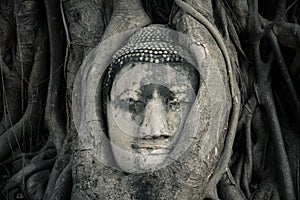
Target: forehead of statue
{"x": 135, "y": 75}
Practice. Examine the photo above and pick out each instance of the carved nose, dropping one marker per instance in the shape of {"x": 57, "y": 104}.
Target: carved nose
{"x": 155, "y": 119}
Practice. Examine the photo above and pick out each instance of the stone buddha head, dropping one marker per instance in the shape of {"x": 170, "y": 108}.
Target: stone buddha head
{"x": 154, "y": 103}
{"x": 147, "y": 94}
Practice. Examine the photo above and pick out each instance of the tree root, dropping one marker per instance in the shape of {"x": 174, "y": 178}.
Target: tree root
{"x": 34, "y": 175}
{"x": 266, "y": 100}
{"x": 4, "y": 69}
{"x": 11, "y": 95}
{"x": 54, "y": 107}
{"x": 292, "y": 94}
{"x": 63, "y": 159}
{"x": 30, "y": 121}
{"x": 82, "y": 36}
{"x": 63, "y": 185}
{"x": 229, "y": 189}
{"x": 29, "y": 155}
{"x": 248, "y": 161}
{"x": 17, "y": 180}
{"x": 28, "y": 24}
{"x": 227, "y": 151}
{"x": 126, "y": 15}
{"x": 284, "y": 170}
{"x": 36, "y": 185}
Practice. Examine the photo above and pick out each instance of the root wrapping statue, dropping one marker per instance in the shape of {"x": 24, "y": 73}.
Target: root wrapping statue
{"x": 149, "y": 103}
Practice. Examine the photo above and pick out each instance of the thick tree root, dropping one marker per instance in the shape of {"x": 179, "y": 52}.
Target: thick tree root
{"x": 266, "y": 100}
{"x": 291, "y": 91}
{"x": 28, "y": 27}
{"x": 63, "y": 185}
{"x": 126, "y": 15}
{"x": 59, "y": 171}
{"x": 30, "y": 122}
{"x": 54, "y": 107}
{"x": 227, "y": 151}
{"x": 17, "y": 180}
{"x": 229, "y": 189}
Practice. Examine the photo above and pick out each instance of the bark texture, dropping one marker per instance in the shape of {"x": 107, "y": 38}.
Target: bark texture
{"x": 253, "y": 46}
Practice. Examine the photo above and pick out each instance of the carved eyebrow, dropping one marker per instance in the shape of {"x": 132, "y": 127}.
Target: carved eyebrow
{"x": 183, "y": 92}
{"x": 182, "y": 88}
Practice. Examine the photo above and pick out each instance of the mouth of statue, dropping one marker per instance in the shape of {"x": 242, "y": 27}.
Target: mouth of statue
{"x": 152, "y": 143}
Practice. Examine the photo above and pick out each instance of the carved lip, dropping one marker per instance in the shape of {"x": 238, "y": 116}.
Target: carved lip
{"x": 152, "y": 143}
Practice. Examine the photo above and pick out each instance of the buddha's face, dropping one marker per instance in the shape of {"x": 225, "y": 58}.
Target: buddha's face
{"x": 146, "y": 113}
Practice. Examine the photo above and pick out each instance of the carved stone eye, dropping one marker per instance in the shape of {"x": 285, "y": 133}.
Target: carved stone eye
{"x": 136, "y": 108}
